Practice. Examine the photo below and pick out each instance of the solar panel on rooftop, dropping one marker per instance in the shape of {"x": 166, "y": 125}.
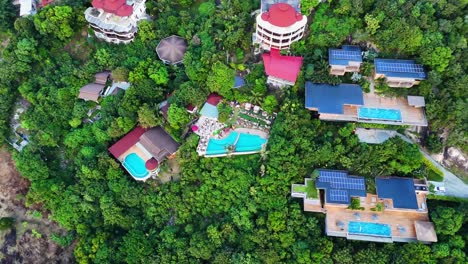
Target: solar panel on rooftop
{"x": 340, "y": 180}
{"x": 338, "y": 195}
{"x": 344, "y": 54}
{"x": 400, "y": 67}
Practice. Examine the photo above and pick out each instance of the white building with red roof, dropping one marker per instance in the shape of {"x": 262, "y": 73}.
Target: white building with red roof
{"x": 115, "y": 21}
{"x": 279, "y": 27}
{"x": 281, "y": 70}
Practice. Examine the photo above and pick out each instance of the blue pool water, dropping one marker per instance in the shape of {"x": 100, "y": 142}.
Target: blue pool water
{"x": 369, "y": 229}
{"x": 135, "y": 165}
{"x": 379, "y": 113}
{"x": 245, "y": 143}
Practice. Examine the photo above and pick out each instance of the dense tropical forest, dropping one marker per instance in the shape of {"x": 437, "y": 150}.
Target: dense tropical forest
{"x": 234, "y": 209}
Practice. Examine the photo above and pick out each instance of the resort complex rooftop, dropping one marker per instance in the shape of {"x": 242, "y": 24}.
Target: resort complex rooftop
{"x": 397, "y": 213}
{"x": 115, "y": 21}
{"x": 400, "y": 190}
{"x": 339, "y": 186}
{"x": 329, "y": 99}
{"x": 142, "y": 150}
{"x": 346, "y": 59}
{"x": 281, "y": 70}
{"x": 345, "y": 56}
{"x": 347, "y": 102}
{"x": 399, "y": 73}
{"x": 279, "y": 25}
{"x": 266, "y": 4}
{"x": 171, "y": 50}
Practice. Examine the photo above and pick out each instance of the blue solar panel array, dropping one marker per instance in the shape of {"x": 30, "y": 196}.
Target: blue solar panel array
{"x": 329, "y": 99}
{"x": 339, "y": 186}
{"x": 345, "y": 55}
{"x": 399, "y": 68}
{"x": 400, "y": 190}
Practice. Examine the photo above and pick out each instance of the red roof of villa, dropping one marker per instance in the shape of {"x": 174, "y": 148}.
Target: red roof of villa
{"x": 117, "y": 7}
{"x": 151, "y": 164}
{"x": 214, "y": 99}
{"x": 282, "y": 67}
{"x": 190, "y": 107}
{"x": 282, "y": 15}
{"x": 126, "y": 142}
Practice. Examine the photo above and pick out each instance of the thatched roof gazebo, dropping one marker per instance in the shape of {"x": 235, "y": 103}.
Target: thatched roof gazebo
{"x": 171, "y": 50}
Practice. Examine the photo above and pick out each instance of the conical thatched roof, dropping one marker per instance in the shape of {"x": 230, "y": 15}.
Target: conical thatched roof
{"x": 171, "y": 50}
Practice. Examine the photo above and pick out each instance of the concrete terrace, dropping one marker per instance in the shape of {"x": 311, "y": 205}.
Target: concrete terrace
{"x": 409, "y": 115}
{"x": 343, "y": 102}
{"x": 400, "y": 203}
{"x": 400, "y": 222}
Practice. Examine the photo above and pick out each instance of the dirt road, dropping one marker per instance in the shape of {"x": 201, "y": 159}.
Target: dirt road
{"x": 29, "y": 240}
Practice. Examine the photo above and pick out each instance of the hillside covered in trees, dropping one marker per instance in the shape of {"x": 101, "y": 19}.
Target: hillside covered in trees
{"x": 222, "y": 210}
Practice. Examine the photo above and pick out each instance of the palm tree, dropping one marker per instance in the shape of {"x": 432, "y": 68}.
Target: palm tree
{"x": 256, "y": 98}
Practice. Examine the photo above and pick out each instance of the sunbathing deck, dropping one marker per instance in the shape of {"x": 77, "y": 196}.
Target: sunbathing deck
{"x": 409, "y": 115}
{"x": 144, "y": 155}
{"x": 251, "y": 131}
{"x": 397, "y": 220}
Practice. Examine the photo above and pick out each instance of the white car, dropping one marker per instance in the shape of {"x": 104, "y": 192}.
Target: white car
{"x": 439, "y": 189}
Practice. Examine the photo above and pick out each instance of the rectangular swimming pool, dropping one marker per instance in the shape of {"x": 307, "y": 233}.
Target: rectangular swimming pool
{"x": 369, "y": 229}
{"x": 241, "y": 142}
{"x": 379, "y": 114}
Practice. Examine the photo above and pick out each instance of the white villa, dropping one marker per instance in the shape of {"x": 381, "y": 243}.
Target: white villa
{"x": 115, "y": 21}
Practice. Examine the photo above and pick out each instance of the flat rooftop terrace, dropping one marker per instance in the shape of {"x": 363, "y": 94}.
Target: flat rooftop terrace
{"x": 409, "y": 115}
{"x": 401, "y": 221}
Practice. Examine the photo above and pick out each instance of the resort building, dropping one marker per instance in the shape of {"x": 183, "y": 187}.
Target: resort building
{"x": 171, "y": 50}
{"x": 347, "y": 102}
{"x": 115, "y": 21}
{"x": 281, "y": 70}
{"x": 93, "y": 91}
{"x": 142, "y": 150}
{"x": 346, "y": 59}
{"x": 279, "y": 27}
{"x": 399, "y": 73}
{"x": 27, "y": 7}
{"x": 397, "y": 212}
{"x": 243, "y": 133}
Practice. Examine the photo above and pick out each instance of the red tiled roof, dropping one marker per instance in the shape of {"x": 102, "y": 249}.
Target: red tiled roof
{"x": 126, "y": 142}
{"x": 282, "y": 15}
{"x": 151, "y": 164}
{"x": 117, "y": 7}
{"x": 46, "y": 2}
{"x": 282, "y": 67}
{"x": 190, "y": 107}
{"x": 214, "y": 99}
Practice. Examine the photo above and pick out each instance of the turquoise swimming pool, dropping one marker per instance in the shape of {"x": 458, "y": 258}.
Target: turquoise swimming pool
{"x": 135, "y": 165}
{"x": 369, "y": 229}
{"x": 379, "y": 113}
{"x": 245, "y": 143}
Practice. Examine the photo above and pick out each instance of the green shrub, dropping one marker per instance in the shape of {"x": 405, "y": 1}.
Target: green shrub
{"x": 355, "y": 204}
{"x": 6, "y": 223}
{"x": 432, "y": 172}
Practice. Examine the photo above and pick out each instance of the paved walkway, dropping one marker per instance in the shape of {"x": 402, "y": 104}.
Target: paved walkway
{"x": 374, "y": 136}
{"x": 453, "y": 185}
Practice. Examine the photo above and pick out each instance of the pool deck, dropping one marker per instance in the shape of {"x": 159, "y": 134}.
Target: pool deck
{"x": 252, "y": 132}
{"x": 395, "y": 218}
{"x": 136, "y": 149}
{"x": 410, "y": 115}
